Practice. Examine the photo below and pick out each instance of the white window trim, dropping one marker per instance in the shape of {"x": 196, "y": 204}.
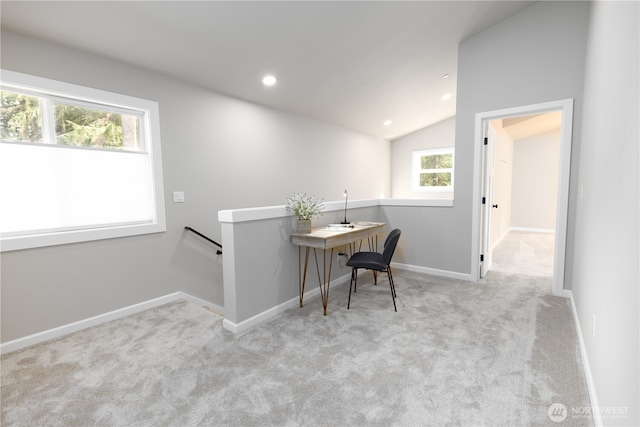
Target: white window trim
{"x": 416, "y": 170}
{"x": 152, "y": 129}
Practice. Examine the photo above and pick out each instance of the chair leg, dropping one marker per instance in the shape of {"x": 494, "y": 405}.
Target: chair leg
{"x": 393, "y": 285}
{"x": 393, "y": 289}
{"x": 354, "y": 278}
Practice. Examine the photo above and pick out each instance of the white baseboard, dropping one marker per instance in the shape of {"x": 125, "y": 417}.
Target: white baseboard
{"x": 533, "y": 230}
{"x": 597, "y": 418}
{"x": 102, "y": 318}
{"x": 433, "y": 271}
{"x": 273, "y": 312}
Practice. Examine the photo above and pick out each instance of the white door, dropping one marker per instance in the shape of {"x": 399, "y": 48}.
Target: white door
{"x": 488, "y": 174}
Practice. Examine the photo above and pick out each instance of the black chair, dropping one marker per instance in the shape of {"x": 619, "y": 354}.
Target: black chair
{"x": 378, "y": 262}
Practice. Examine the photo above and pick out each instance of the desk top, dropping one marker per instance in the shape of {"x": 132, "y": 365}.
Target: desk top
{"x": 330, "y": 237}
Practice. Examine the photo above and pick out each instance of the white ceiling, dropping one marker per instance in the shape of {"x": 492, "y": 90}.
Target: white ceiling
{"x": 526, "y": 126}
{"x": 352, "y": 64}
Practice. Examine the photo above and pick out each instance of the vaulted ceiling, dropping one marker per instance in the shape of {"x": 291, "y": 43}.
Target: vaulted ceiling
{"x": 355, "y": 64}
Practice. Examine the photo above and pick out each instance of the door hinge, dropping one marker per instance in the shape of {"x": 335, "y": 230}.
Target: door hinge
{"x": 481, "y": 258}
{"x": 486, "y": 141}
{"x": 484, "y": 200}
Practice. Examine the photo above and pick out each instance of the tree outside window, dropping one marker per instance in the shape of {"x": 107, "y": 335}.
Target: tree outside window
{"x": 23, "y": 118}
{"x": 20, "y": 118}
{"x": 433, "y": 170}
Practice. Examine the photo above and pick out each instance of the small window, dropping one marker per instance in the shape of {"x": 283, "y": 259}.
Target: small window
{"x": 433, "y": 170}
{"x": 76, "y": 164}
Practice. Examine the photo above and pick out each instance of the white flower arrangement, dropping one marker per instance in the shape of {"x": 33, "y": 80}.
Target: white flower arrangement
{"x": 304, "y": 206}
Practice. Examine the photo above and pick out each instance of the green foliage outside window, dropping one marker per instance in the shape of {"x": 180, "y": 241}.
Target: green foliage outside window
{"x": 437, "y": 161}
{"x": 94, "y": 128}
{"x": 21, "y": 120}
{"x": 442, "y": 179}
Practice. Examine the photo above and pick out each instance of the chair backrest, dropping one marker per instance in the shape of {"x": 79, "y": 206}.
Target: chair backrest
{"x": 390, "y": 246}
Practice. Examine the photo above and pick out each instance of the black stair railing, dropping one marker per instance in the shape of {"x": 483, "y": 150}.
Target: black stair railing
{"x": 219, "y": 252}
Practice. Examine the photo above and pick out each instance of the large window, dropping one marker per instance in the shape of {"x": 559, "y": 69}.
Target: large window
{"x": 433, "y": 170}
{"x": 76, "y": 164}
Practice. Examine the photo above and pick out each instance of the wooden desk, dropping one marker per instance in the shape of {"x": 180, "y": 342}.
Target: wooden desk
{"x": 329, "y": 238}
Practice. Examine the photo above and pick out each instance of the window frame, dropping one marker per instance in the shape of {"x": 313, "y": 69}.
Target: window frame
{"x": 416, "y": 170}
{"x": 150, "y": 146}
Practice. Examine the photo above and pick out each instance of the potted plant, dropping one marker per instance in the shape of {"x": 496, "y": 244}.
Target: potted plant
{"x": 305, "y": 207}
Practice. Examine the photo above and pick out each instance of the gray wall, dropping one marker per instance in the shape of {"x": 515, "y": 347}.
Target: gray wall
{"x": 423, "y": 246}
{"x": 263, "y": 271}
{"x": 438, "y": 135}
{"x": 535, "y": 56}
{"x": 222, "y": 152}
{"x": 606, "y": 257}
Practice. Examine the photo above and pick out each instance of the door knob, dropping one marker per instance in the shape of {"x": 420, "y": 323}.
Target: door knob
{"x": 495, "y": 206}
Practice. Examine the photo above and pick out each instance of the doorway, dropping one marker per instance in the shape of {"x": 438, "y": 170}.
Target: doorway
{"x": 484, "y": 178}
{"x": 522, "y": 202}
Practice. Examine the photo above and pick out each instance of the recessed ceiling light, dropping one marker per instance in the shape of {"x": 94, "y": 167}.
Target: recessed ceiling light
{"x": 269, "y": 80}
{"x": 387, "y": 122}
{"x": 445, "y": 97}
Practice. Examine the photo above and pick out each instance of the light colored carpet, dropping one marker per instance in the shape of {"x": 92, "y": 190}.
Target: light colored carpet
{"x": 498, "y": 352}
{"x": 525, "y": 253}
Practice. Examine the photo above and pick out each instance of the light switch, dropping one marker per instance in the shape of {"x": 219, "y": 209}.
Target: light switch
{"x": 178, "y": 197}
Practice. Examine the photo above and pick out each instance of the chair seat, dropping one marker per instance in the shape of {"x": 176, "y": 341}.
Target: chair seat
{"x": 367, "y": 260}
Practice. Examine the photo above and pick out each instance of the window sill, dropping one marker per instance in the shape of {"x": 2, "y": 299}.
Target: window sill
{"x": 270, "y": 212}
{"x": 76, "y": 236}
{"x": 417, "y": 202}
